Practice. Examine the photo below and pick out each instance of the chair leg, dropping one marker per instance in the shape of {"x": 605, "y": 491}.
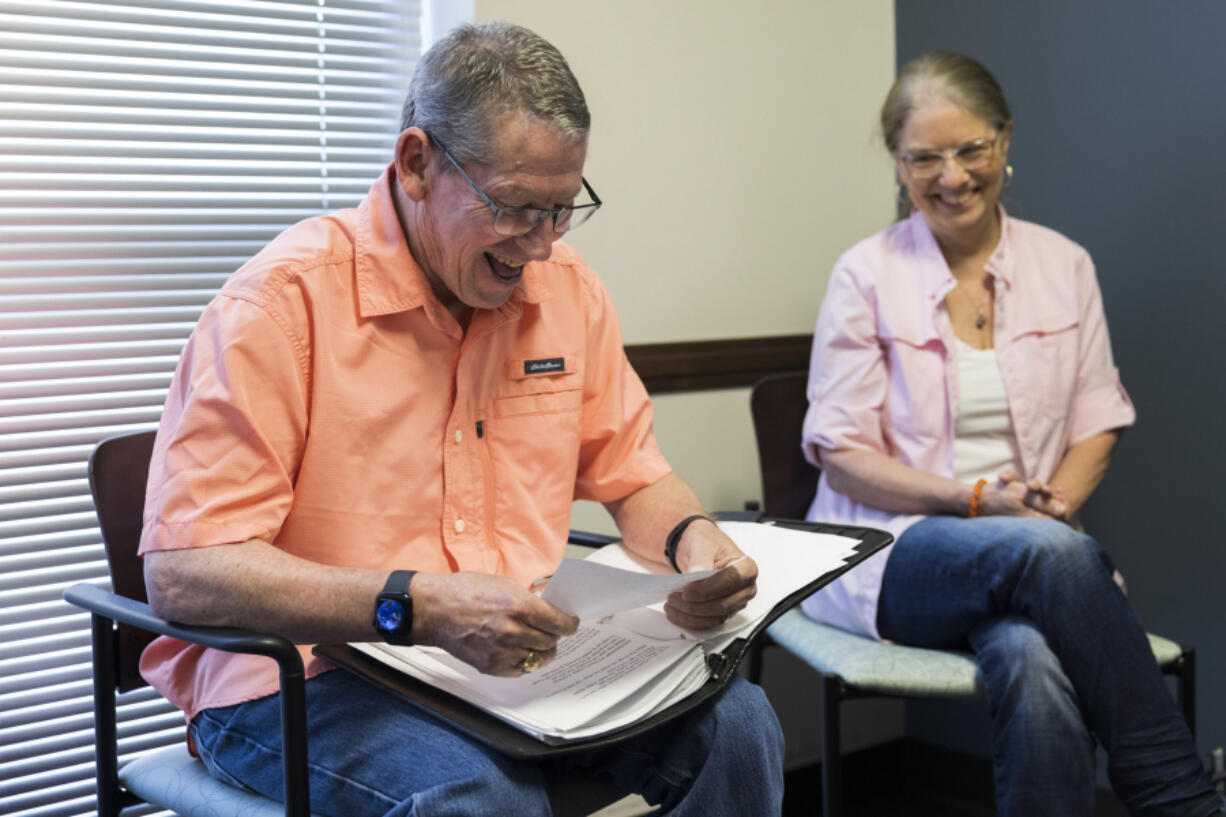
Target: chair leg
{"x": 111, "y": 799}
{"x": 294, "y": 742}
{"x": 1187, "y": 686}
{"x": 832, "y": 761}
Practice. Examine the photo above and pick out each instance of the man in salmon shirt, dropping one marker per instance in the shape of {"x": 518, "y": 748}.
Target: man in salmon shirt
{"x": 377, "y": 430}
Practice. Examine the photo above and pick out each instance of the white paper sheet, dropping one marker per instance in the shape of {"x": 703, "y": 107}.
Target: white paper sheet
{"x": 782, "y": 554}
{"x": 591, "y": 590}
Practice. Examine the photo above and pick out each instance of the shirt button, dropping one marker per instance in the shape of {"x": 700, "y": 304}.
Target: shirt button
{"x": 459, "y": 435}
{"x": 459, "y": 526}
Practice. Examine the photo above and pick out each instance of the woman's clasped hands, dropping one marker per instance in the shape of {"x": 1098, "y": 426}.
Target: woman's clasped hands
{"x": 1013, "y": 496}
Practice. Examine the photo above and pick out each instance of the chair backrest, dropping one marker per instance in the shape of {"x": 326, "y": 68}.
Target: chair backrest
{"x": 118, "y": 472}
{"x": 778, "y": 404}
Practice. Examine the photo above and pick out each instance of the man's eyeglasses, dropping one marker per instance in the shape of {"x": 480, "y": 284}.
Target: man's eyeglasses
{"x": 516, "y": 221}
{"x": 974, "y": 155}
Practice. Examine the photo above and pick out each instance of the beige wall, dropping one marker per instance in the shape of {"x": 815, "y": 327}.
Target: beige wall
{"x": 733, "y": 143}
{"x": 734, "y": 146}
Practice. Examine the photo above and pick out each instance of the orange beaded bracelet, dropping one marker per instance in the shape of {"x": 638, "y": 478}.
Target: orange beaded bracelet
{"x": 976, "y": 495}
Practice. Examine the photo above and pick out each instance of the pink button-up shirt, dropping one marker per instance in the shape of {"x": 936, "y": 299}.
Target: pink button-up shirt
{"x": 883, "y": 375}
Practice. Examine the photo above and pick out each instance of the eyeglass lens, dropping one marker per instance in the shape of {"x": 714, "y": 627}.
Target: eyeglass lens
{"x": 971, "y": 156}
{"x": 513, "y": 221}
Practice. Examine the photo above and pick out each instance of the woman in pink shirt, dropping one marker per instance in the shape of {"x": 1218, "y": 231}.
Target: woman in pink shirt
{"x": 963, "y": 396}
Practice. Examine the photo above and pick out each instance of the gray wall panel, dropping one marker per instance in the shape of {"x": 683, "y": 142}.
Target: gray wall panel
{"x": 1120, "y": 143}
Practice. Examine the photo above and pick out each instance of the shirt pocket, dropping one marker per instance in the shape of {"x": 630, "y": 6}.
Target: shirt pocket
{"x": 1056, "y": 370}
{"x": 533, "y": 438}
{"x": 540, "y": 386}
{"x": 915, "y": 396}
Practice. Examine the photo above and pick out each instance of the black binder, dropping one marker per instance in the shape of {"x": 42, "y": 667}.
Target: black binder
{"x": 505, "y": 738}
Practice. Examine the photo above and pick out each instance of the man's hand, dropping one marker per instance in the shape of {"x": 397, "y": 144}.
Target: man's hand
{"x": 1013, "y": 497}
{"x": 487, "y": 621}
{"x": 709, "y": 603}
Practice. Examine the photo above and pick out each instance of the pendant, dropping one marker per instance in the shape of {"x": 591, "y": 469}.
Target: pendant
{"x": 981, "y": 319}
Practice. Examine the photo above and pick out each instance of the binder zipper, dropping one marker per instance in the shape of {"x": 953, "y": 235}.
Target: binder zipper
{"x": 724, "y": 663}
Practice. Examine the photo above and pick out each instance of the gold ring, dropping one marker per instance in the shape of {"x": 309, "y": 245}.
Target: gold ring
{"x": 531, "y": 662}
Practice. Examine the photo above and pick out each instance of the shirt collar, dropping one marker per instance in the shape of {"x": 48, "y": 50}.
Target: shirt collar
{"x": 934, "y": 272}
{"x": 1000, "y": 262}
{"x": 389, "y": 279}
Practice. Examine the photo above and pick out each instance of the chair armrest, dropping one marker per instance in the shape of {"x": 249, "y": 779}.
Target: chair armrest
{"x": 587, "y": 539}
{"x": 138, "y": 614}
{"x": 105, "y": 605}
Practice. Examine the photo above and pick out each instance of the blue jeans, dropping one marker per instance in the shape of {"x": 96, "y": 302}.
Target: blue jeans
{"x": 372, "y": 754}
{"x": 1064, "y": 661}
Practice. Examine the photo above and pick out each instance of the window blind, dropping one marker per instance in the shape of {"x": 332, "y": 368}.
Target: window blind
{"x": 147, "y": 149}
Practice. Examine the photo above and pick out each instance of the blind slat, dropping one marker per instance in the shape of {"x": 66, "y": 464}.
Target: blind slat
{"x": 58, "y": 668}
{"x": 53, "y": 758}
{"x": 16, "y": 655}
{"x": 55, "y": 438}
{"x": 139, "y": 233}
{"x": 90, "y": 368}
{"x": 25, "y": 545}
{"x": 257, "y": 125}
{"x": 10, "y": 615}
{"x": 46, "y": 508}
{"x": 60, "y": 768}
{"x": 180, "y": 219}
{"x": 148, "y": 148}
{"x": 77, "y": 730}
{"x": 82, "y": 386}
{"x": 127, "y": 251}
{"x": 88, "y": 402}
{"x": 143, "y": 700}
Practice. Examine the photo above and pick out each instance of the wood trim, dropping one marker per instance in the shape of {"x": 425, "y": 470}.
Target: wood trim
{"x": 698, "y": 365}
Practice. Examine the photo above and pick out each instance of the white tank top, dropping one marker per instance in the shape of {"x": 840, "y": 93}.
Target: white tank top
{"x": 984, "y": 441}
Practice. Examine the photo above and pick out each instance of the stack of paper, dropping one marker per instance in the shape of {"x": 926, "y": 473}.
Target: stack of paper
{"x": 627, "y": 661}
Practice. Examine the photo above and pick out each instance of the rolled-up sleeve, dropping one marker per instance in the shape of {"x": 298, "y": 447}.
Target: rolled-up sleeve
{"x": 847, "y": 371}
{"x": 1101, "y": 403}
{"x": 618, "y": 452}
{"x": 231, "y": 434}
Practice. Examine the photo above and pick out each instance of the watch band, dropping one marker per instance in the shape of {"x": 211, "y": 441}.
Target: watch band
{"x": 674, "y": 537}
{"x": 398, "y": 582}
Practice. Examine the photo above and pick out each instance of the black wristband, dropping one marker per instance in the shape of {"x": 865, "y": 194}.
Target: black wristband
{"x": 674, "y": 537}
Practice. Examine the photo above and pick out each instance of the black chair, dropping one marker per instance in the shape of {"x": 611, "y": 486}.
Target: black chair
{"x": 851, "y": 666}
{"x": 123, "y": 625}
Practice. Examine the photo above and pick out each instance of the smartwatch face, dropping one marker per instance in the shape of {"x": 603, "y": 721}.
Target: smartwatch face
{"x": 389, "y": 615}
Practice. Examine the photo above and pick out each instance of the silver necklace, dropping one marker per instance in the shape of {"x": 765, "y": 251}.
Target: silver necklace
{"x": 981, "y": 311}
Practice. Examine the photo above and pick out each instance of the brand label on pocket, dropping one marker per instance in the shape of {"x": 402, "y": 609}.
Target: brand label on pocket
{"x": 544, "y": 365}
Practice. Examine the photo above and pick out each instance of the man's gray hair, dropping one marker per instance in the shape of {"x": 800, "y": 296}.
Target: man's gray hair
{"x": 476, "y": 74}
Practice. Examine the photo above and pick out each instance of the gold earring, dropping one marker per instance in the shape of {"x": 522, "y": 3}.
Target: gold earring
{"x": 1008, "y": 175}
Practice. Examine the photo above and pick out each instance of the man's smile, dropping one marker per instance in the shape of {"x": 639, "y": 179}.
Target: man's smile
{"x": 504, "y": 269}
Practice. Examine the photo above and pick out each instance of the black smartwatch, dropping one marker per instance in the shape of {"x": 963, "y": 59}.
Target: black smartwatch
{"x": 394, "y": 609}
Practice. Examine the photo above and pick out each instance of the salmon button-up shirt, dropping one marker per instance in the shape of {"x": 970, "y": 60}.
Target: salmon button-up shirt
{"x": 329, "y": 404}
